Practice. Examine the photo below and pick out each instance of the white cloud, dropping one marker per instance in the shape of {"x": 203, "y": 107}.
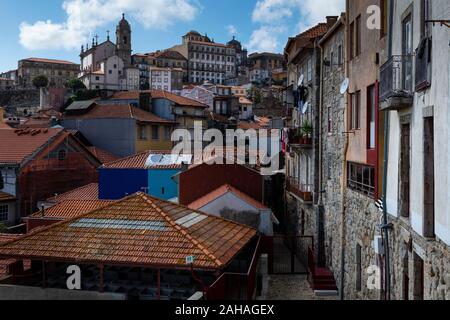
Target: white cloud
{"x": 232, "y": 30}
{"x": 268, "y": 11}
{"x": 84, "y": 16}
{"x": 271, "y": 15}
{"x": 265, "y": 39}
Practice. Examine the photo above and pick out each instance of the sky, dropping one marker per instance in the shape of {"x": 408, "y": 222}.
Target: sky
{"x": 56, "y": 29}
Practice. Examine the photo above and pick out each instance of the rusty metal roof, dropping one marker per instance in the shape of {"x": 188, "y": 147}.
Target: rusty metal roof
{"x": 136, "y": 231}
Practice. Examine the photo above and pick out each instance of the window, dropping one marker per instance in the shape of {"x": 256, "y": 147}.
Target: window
{"x": 4, "y": 211}
{"x": 407, "y": 49}
{"x": 384, "y": 18}
{"x": 340, "y": 62}
{"x": 351, "y": 48}
{"x": 358, "y": 36}
{"x": 2, "y": 181}
{"x": 110, "y": 71}
{"x": 371, "y": 118}
{"x": 425, "y": 14}
{"x": 309, "y": 69}
{"x": 358, "y": 262}
{"x": 361, "y": 178}
{"x": 62, "y": 155}
{"x": 167, "y": 133}
{"x": 142, "y": 133}
{"x": 355, "y": 105}
{"x": 429, "y": 181}
{"x": 330, "y": 120}
{"x": 155, "y": 132}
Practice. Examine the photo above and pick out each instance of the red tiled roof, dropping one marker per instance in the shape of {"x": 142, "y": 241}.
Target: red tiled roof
{"x": 170, "y": 54}
{"x": 5, "y": 263}
{"x": 87, "y": 192}
{"x": 203, "y": 201}
{"x": 69, "y": 209}
{"x": 138, "y": 161}
{"x": 16, "y": 145}
{"x": 118, "y": 111}
{"x": 158, "y": 94}
{"x": 6, "y": 197}
{"x": 49, "y": 61}
{"x": 138, "y": 230}
{"x": 102, "y": 155}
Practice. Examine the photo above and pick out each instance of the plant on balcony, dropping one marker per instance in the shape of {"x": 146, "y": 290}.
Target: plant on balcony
{"x": 307, "y": 130}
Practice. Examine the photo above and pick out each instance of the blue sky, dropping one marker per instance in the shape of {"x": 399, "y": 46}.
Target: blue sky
{"x": 57, "y": 28}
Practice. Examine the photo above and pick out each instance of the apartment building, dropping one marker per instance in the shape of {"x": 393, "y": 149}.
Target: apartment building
{"x": 207, "y": 60}
{"x": 414, "y": 93}
{"x": 167, "y": 79}
{"x": 301, "y": 136}
{"x": 263, "y": 64}
{"x": 169, "y": 59}
{"x": 58, "y": 72}
{"x": 141, "y": 61}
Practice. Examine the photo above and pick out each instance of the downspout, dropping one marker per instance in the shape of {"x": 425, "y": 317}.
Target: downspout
{"x": 344, "y": 171}
{"x": 320, "y": 206}
{"x": 386, "y": 227}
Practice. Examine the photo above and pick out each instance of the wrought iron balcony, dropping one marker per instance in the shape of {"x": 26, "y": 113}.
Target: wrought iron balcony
{"x": 396, "y": 84}
{"x": 300, "y": 190}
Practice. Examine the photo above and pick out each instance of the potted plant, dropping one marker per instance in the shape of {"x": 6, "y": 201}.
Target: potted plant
{"x": 307, "y": 130}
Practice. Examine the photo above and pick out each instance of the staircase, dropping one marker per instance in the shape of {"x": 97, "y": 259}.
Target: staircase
{"x": 321, "y": 279}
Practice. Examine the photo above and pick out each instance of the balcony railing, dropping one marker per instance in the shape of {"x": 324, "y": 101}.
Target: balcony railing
{"x": 301, "y": 190}
{"x": 396, "y": 85}
{"x": 298, "y": 139}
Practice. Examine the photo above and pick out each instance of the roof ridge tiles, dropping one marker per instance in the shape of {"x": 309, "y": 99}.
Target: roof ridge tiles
{"x": 181, "y": 230}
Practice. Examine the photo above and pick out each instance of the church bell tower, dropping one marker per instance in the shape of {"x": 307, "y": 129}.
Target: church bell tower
{"x": 123, "y": 41}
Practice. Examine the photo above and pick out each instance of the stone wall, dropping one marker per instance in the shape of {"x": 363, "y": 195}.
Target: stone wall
{"x": 13, "y": 100}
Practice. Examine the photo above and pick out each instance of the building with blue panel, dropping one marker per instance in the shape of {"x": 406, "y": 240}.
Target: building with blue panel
{"x": 152, "y": 172}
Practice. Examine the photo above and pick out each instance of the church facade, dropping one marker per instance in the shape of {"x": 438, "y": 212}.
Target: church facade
{"x": 107, "y": 66}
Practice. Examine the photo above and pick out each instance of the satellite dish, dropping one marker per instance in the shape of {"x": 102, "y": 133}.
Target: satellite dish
{"x": 305, "y": 107}
{"x": 344, "y": 86}
{"x": 300, "y": 80}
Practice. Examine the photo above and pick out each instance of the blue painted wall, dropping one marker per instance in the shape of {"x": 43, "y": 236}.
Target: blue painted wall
{"x": 163, "y": 109}
{"x": 115, "y": 184}
{"x": 161, "y": 184}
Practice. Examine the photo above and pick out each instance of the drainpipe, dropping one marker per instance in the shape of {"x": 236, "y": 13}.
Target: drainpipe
{"x": 344, "y": 174}
{"x": 386, "y": 227}
{"x": 320, "y": 205}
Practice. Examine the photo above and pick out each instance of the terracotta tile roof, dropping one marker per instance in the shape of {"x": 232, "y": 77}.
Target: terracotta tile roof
{"x": 5, "y": 263}
{"x": 6, "y": 197}
{"x": 170, "y": 54}
{"x": 16, "y": 145}
{"x": 314, "y": 32}
{"x": 138, "y": 161}
{"x": 102, "y": 155}
{"x": 49, "y": 61}
{"x": 138, "y": 230}
{"x": 69, "y": 209}
{"x": 158, "y": 94}
{"x": 244, "y": 100}
{"x": 118, "y": 111}
{"x": 87, "y": 192}
{"x": 210, "y": 197}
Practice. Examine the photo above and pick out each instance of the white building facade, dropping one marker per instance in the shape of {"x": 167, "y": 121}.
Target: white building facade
{"x": 414, "y": 92}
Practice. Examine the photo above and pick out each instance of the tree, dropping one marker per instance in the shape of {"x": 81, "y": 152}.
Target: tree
{"x": 75, "y": 84}
{"x": 40, "y": 82}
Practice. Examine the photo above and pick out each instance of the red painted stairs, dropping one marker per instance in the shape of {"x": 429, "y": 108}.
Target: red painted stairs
{"x": 321, "y": 279}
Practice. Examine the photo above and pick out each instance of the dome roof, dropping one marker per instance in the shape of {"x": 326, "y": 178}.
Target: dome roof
{"x": 124, "y": 22}
{"x": 193, "y": 33}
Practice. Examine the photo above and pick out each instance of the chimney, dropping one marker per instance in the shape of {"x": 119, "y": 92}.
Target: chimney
{"x": 145, "y": 99}
{"x": 54, "y": 122}
{"x": 43, "y": 211}
{"x": 331, "y": 21}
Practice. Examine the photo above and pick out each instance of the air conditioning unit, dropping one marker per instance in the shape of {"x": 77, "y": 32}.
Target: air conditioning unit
{"x": 378, "y": 245}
